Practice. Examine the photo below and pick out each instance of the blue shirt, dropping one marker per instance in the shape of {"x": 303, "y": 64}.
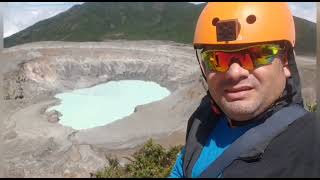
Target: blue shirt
{"x": 219, "y": 140}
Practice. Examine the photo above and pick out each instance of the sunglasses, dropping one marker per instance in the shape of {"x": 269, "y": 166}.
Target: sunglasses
{"x": 249, "y": 58}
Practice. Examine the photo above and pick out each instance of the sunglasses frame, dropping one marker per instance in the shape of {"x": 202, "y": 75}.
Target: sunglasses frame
{"x": 282, "y": 51}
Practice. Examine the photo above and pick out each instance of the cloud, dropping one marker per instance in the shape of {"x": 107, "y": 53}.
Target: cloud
{"x": 305, "y": 10}
{"x": 196, "y": 2}
{"x": 42, "y": 3}
{"x": 20, "y": 15}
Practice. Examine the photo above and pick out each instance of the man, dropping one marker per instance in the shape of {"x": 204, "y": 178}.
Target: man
{"x": 252, "y": 122}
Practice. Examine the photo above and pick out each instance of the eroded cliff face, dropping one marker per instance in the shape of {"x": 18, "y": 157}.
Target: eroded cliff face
{"x": 33, "y": 73}
{"x": 70, "y": 67}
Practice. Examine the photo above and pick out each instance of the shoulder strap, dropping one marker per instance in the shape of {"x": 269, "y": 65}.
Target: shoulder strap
{"x": 199, "y": 127}
{"x": 261, "y": 134}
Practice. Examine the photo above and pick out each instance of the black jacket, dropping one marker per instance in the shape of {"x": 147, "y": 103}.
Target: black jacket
{"x": 294, "y": 153}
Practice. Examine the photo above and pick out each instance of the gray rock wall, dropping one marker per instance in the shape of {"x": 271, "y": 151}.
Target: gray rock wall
{"x": 72, "y": 68}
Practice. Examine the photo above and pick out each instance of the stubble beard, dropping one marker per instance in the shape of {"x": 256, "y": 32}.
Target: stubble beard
{"x": 241, "y": 109}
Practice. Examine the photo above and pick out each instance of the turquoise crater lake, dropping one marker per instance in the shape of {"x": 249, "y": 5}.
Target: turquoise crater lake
{"x": 106, "y": 103}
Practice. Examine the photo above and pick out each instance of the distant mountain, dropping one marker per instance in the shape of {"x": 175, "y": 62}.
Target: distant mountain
{"x": 96, "y": 21}
{"x": 305, "y": 36}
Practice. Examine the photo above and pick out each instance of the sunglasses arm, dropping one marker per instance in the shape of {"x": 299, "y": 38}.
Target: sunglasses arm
{"x": 203, "y": 74}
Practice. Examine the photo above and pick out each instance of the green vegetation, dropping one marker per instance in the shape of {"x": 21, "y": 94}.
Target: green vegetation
{"x": 152, "y": 160}
{"x": 173, "y": 21}
{"x": 312, "y": 107}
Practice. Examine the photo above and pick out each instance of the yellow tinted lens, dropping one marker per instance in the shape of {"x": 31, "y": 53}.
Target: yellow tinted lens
{"x": 264, "y": 54}
{"x": 207, "y": 60}
{"x": 213, "y": 64}
{"x": 268, "y": 50}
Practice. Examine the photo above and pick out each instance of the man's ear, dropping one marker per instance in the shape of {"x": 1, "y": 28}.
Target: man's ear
{"x": 286, "y": 70}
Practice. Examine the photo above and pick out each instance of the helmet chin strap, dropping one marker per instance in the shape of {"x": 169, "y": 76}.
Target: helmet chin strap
{"x": 215, "y": 108}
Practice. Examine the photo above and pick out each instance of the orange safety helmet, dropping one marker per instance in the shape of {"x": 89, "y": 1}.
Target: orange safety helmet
{"x": 244, "y": 22}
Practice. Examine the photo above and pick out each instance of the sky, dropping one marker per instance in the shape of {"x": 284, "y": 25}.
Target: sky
{"x": 20, "y": 15}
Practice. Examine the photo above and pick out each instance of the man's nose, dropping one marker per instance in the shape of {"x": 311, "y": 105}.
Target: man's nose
{"x": 236, "y": 72}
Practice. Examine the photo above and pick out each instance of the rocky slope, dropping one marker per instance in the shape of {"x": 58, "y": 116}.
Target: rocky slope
{"x": 38, "y": 146}
{"x": 52, "y": 70}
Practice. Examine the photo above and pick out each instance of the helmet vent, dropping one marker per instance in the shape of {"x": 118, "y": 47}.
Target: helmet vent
{"x": 214, "y": 21}
{"x": 251, "y": 19}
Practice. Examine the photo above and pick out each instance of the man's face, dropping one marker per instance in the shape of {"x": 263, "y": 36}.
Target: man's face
{"x": 243, "y": 95}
